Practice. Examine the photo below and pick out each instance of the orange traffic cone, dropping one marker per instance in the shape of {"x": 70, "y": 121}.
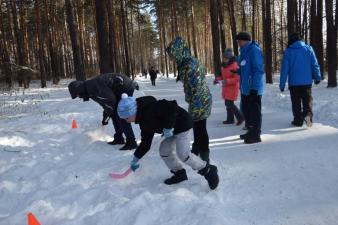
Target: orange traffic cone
{"x": 32, "y": 220}
{"x": 74, "y": 125}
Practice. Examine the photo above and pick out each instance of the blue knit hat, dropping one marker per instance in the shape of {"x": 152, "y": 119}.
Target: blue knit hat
{"x": 127, "y": 106}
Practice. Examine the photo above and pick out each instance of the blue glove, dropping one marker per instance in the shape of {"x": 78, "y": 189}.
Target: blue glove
{"x": 134, "y": 164}
{"x": 167, "y": 133}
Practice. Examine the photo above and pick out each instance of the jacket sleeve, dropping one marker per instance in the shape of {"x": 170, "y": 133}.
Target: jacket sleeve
{"x": 167, "y": 111}
{"x": 143, "y": 148}
{"x": 284, "y": 71}
{"x": 257, "y": 69}
{"x": 235, "y": 77}
{"x": 107, "y": 100}
{"x": 314, "y": 64}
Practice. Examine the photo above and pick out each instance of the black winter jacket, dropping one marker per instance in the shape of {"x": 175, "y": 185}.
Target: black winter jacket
{"x": 105, "y": 89}
{"x": 153, "y": 115}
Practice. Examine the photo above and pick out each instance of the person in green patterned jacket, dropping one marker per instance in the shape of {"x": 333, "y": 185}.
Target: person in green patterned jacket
{"x": 197, "y": 94}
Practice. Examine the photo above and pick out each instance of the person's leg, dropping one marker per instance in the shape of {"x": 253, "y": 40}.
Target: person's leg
{"x": 255, "y": 108}
{"x": 306, "y": 95}
{"x": 166, "y": 151}
{"x": 201, "y": 140}
{"x": 118, "y": 137}
{"x": 296, "y": 106}
{"x": 184, "y": 154}
{"x": 246, "y": 112}
{"x": 230, "y": 113}
{"x": 238, "y": 115}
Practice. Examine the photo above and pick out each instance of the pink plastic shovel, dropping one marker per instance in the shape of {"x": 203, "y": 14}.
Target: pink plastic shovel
{"x": 120, "y": 175}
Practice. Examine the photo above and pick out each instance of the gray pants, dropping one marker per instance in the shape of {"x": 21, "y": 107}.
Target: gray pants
{"x": 182, "y": 142}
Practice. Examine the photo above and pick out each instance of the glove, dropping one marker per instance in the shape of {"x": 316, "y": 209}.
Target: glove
{"x": 317, "y": 82}
{"x": 134, "y": 164}
{"x": 281, "y": 89}
{"x": 105, "y": 120}
{"x": 215, "y": 82}
{"x": 253, "y": 92}
{"x": 167, "y": 133}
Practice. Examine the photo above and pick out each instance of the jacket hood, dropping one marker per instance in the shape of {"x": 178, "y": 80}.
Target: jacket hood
{"x": 78, "y": 88}
{"x": 142, "y": 103}
{"x": 297, "y": 44}
{"x": 178, "y": 49}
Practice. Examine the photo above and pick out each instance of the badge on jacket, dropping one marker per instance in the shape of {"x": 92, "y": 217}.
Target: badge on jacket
{"x": 243, "y": 62}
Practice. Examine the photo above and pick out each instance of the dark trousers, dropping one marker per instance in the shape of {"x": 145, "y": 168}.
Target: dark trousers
{"x": 122, "y": 126}
{"x": 252, "y": 110}
{"x": 232, "y": 111}
{"x": 152, "y": 82}
{"x": 301, "y": 95}
{"x": 201, "y": 140}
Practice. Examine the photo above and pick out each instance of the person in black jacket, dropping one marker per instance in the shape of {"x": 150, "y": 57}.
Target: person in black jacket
{"x": 106, "y": 89}
{"x": 167, "y": 118}
{"x": 153, "y": 75}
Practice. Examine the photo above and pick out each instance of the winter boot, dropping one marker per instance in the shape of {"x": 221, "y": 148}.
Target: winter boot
{"x": 243, "y": 136}
{"x": 253, "y": 136}
{"x": 210, "y": 174}
{"x": 252, "y": 139}
{"x": 308, "y": 121}
{"x": 178, "y": 177}
{"x": 239, "y": 122}
{"x": 116, "y": 142}
{"x": 297, "y": 124}
{"x": 130, "y": 145}
{"x": 228, "y": 122}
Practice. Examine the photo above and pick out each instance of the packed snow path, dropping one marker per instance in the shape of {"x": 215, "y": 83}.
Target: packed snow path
{"x": 61, "y": 175}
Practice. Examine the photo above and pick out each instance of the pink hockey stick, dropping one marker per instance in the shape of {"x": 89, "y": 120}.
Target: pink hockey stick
{"x": 120, "y": 175}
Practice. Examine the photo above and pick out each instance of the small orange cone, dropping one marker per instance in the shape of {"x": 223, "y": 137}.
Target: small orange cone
{"x": 32, "y": 220}
{"x": 74, "y": 125}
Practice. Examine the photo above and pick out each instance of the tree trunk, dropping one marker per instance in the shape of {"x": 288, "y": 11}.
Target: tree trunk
{"x": 331, "y": 44}
{"x": 233, "y": 25}
{"x": 320, "y": 51}
{"x": 253, "y": 20}
{"x": 40, "y": 43}
{"x": 125, "y": 37}
{"x": 105, "y": 61}
{"x": 78, "y": 64}
{"x": 215, "y": 37}
{"x": 221, "y": 24}
{"x": 291, "y": 16}
{"x": 193, "y": 29}
{"x": 244, "y": 28}
{"x": 267, "y": 40}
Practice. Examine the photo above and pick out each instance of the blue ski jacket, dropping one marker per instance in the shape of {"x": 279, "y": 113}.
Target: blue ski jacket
{"x": 299, "y": 66}
{"x": 251, "y": 68}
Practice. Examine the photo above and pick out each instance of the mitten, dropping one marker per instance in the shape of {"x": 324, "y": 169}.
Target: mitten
{"x": 134, "y": 164}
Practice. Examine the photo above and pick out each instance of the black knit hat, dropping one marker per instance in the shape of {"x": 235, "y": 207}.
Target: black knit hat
{"x": 243, "y": 36}
{"x": 293, "y": 38}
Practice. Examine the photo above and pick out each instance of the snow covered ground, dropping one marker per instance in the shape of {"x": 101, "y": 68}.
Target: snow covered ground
{"x": 61, "y": 175}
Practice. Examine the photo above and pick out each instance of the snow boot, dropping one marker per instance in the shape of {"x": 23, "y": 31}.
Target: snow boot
{"x": 297, "y": 124}
{"x": 244, "y": 136}
{"x": 210, "y": 174}
{"x": 252, "y": 139}
{"x": 179, "y": 176}
{"x": 228, "y": 122}
{"x": 308, "y": 121}
{"x": 116, "y": 142}
{"x": 130, "y": 145}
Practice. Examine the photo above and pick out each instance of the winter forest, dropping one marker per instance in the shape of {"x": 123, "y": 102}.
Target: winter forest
{"x": 168, "y": 112}
{"x": 52, "y": 40}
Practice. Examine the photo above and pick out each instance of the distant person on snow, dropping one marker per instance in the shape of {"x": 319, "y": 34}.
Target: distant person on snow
{"x": 167, "y": 118}
{"x": 230, "y": 87}
{"x": 153, "y": 75}
{"x": 300, "y": 68}
{"x": 197, "y": 94}
{"x": 106, "y": 89}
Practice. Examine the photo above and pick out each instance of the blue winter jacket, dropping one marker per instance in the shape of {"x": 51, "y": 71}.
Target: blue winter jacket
{"x": 299, "y": 65}
{"x": 251, "y": 70}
